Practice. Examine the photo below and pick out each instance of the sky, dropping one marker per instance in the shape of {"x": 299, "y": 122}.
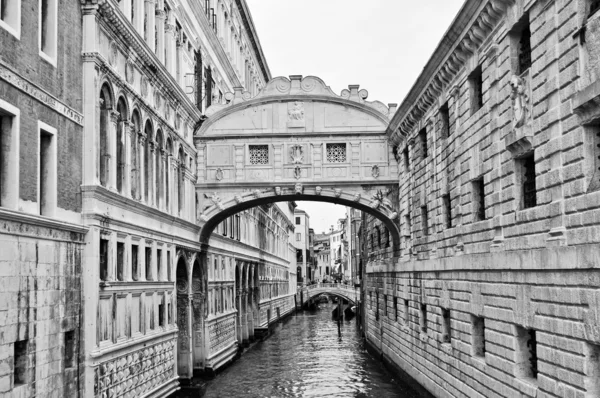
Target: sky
{"x": 382, "y": 45}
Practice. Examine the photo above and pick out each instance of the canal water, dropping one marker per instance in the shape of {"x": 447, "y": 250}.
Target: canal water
{"x": 305, "y": 358}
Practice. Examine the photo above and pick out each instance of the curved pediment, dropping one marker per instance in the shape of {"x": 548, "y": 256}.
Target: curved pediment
{"x": 297, "y": 105}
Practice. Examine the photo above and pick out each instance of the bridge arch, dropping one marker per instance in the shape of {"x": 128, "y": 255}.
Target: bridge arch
{"x": 296, "y": 140}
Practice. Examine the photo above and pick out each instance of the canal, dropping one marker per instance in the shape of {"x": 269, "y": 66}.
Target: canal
{"x": 305, "y": 358}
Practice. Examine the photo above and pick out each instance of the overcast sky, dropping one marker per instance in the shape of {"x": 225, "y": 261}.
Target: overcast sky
{"x": 380, "y": 44}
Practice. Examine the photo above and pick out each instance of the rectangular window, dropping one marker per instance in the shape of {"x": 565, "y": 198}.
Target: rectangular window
{"x": 9, "y": 154}
{"x": 48, "y": 30}
{"x": 592, "y": 370}
{"x": 479, "y": 199}
{"x": 297, "y": 220}
{"x": 159, "y": 263}
{"x": 477, "y": 336}
{"x": 406, "y": 312}
{"x": 135, "y": 266}
{"x": 407, "y": 224}
{"x": 446, "y": 333}
{"x": 395, "y": 308}
{"x": 168, "y": 265}
{"x": 385, "y": 304}
{"x": 445, "y": 120}
{"x": 335, "y": 153}
{"x": 150, "y": 309}
{"x": 476, "y": 89}
{"x": 521, "y": 43}
{"x": 120, "y": 260}
{"x": 259, "y": 154}
{"x": 377, "y": 306}
{"x": 423, "y": 319}
{"x": 69, "y": 349}
{"x": 298, "y": 237}
{"x": 10, "y": 16}
{"x": 447, "y": 210}
{"x": 47, "y": 182}
{"x": 424, "y": 221}
{"x": 103, "y": 259}
{"x": 423, "y": 141}
{"x": 526, "y": 353}
{"x": 527, "y": 166}
{"x": 406, "y": 159}
{"x": 148, "y": 263}
{"x": 20, "y": 362}
{"x": 161, "y": 314}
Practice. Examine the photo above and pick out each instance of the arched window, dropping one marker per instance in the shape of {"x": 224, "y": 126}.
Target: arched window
{"x": 105, "y": 104}
{"x": 147, "y": 161}
{"x": 135, "y": 155}
{"x": 122, "y": 110}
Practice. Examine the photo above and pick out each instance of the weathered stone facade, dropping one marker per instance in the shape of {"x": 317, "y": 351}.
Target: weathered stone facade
{"x": 494, "y": 293}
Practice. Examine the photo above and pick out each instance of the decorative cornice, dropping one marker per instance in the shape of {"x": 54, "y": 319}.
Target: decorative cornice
{"x": 473, "y": 24}
{"x": 40, "y": 221}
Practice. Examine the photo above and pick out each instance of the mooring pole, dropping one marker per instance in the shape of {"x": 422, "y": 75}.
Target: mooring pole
{"x": 338, "y": 319}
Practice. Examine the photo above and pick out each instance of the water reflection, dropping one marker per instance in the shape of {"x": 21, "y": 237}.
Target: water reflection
{"x": 305, "y": 358}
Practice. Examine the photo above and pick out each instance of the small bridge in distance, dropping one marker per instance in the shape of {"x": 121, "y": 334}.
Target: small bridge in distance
{"x": 347, "y": 292}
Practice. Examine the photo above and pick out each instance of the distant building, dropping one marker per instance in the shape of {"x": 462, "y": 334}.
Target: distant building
{"x": 302, "y": 241}
{"x": 322, "y": 256}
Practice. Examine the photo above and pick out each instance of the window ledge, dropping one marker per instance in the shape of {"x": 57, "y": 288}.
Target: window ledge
{"x": 48, "y": 58}
{"x": 585, "y": 103}
{"x": 15, "y": 32}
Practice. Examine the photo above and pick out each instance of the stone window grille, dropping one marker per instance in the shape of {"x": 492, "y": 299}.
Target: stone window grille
{"x": 476, "y": 89}
{"x": 524, "y": 47}
{"x": 445, "y": 120}
{"x": 423, "y": 140}
{"x": 10, "y": 16}
{"x": 336, "y": 153}
{"x": 259, "y": 154}
{"x": 477, "y": 336}
{"x": 479, "y": 199}
{"x": 423, "y": 318}
{"x": 424, "y": 221}
{"x": 20, "y": 362}
{"x": 69, "y": 349}
{"x": 446, "y": 331}
{"x": 592, "y": 369}
{"x": 447, "y": 210}
{"x": 526, "y": 353}
{"x": 528, "y": 182}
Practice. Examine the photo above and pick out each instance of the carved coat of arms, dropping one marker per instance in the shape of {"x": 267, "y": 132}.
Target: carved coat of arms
{"x": 297, "y": 154}
{"x": 296, "y": 114}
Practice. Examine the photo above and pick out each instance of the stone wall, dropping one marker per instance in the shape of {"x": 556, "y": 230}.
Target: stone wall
{"x": 494, "y": 294}
{"x": 40, "y": 303}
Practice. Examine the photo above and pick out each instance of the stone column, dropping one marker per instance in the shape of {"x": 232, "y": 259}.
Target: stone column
{"x": 138, "y": 16}
{"x": 129, "y": 135}
{"x": 90, "y": 102}
{"x": 112, "y": 149}
{"x": 163, "y": 179}
{"x": 142, "y": 169}
{"x": 150, "y": 24}
{"x": 160, "y": 29}
{"x": 152, "y": 199}
{"x": 179, "y": 76}
{"x": 170, "y": 34}
{"x": 238, "y": 299}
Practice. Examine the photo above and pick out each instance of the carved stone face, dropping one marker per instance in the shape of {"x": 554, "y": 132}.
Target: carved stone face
{"x": 278, "y": 191}
{"x": 318, "y": 190}
{"x": 298, "y": 188}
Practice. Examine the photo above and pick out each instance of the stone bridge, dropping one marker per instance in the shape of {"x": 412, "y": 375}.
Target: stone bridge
{"x": 347, "y": 292}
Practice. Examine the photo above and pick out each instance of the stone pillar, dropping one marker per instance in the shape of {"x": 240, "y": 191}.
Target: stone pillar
{"x": 138, "y": 16}
{"x": 112, "y": 149}
{"x": 238, "y": 299}
{"x": 163, "y": 179}
{"x": 150, "y": 24}
{"x": 170, "y": 45}
{"x": 179, "y": 76}
{"x": 152, "y": 199}
{"x": 142, "y": 169}
{"x": 160, "y": 29}
{"x": 129, "y": 135}
{"x": 244, "y": 308}
{"x": 90, "y": 102}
